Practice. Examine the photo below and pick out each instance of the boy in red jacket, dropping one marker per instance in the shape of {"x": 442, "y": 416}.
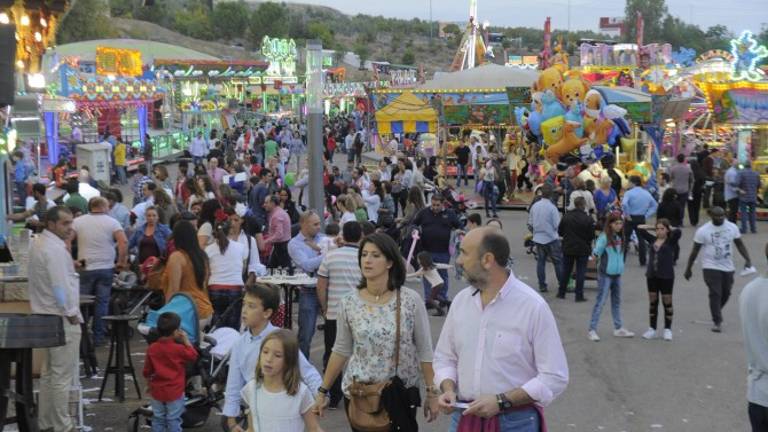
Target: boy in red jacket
{"x": 164, "y": 369}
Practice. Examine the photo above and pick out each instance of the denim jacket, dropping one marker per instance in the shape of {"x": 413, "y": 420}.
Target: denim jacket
{"x": 162, "y": 232}
{"x": 611, "y": 258}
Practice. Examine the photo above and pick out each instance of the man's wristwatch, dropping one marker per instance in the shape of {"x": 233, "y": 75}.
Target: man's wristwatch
{"x": 504, "y": 403}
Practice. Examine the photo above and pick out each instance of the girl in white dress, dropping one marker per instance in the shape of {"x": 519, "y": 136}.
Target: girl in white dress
{"x": 276, "y": 398}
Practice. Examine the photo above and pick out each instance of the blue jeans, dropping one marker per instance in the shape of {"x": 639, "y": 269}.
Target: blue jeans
{"x": 196, "y": 160}
{"x": 122, "y": 177}
{"x": 309, "y": 308}
{"x": 461, "y": 171}
{"x": 167, "y": 415}
{"x": 98, "y": 283}
{"x": 438, "y": 257}
{"x": 21, "y": 190}
{"x": 489, "y": 193}
{"x": 526, "y": 420}
{"x": 550, "y": 251}
{"x": 605, "y": 283}
{"x": 748, "y": 212}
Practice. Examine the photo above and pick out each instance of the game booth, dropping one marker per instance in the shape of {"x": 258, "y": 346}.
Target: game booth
{"x": 345, "y": 97}
{"x": 115, "y": 93}
{"x": 464, "y": 108}
{"x": 205, "y": 93}
{"x": 406, "y": 114}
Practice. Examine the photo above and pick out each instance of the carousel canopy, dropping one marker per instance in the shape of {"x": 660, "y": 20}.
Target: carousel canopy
{"x": 489, "y": 76}
{"x": 150, "y": 50}
{"x": 406, "y": 114}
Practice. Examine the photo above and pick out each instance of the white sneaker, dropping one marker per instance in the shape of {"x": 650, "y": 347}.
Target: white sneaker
{"x": 593, "y": 336}
{"x": 650, "y": 334}
{"x": 624, "y": 333}
{"x": 667, "y": 334}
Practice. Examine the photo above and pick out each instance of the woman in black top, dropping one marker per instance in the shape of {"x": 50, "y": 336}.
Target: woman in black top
{"x": 670, "y": 209}
{"x": 660, "y": 274}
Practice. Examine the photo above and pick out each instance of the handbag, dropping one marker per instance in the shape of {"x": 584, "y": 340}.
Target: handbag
{"x": 365, "y": 410}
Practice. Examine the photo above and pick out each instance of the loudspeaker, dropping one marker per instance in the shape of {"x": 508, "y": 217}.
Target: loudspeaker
{"x": 7, "y": 64}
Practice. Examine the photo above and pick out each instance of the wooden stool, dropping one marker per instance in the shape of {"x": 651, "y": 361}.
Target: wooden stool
{"x": 119, "y": 351}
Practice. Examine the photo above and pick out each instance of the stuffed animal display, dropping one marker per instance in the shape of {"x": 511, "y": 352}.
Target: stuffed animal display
{"x": 568, "y": 118}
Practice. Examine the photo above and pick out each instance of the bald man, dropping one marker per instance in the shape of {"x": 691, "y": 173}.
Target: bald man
{"x": 499, "y": 350}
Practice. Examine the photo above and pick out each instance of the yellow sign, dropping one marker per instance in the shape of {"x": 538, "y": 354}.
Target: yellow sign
{"x": 118, "y": 62}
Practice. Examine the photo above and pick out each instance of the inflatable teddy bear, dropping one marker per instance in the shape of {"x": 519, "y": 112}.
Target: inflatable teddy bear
{"x": 550, "y": 106}
{"x": 574, "y": 115}
{"x": 568, "y": 143}
{"x": 549, "y": 79}
{"x": 573, "y": 90}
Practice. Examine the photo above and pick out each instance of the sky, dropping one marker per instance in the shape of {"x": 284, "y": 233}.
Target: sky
{"x": 737, "y": 15}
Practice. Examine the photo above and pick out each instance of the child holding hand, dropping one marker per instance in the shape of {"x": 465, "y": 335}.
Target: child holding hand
{"x": 432, "y": 278}
{"x": 165, "y": 371}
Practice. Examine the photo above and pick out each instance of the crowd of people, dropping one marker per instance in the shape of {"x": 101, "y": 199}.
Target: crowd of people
{"x": 230, "y": 217}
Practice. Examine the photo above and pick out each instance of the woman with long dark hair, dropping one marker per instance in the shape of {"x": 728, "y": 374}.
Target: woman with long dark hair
{"x": 206, "y": 222}
{"x": 610, "y": 253}
{"x": 286, "y": 202}
{"x": 660, "y": 274}
{"x": 367, "y": 335}
{"x": 187, "y": 270}
{"x": 225, "y": 282}
{"x": 670, "y": 208}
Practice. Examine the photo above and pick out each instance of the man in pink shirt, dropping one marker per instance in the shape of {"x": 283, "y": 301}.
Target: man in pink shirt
{"x": 499, "y": 358}
{"x": 278, "y": 233}
{"x": 216, "y": 173}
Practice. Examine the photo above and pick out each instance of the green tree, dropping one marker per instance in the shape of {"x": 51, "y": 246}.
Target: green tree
{"x": 408, "y": 57}
{"x": 230, "y": 19}
{"x": 339, "y": 53}
{"x": 194, "y": 23}
{"x": 654, "y": 13}
{"x": 121, "y": 8}
{"x": 87, "y": 20}
{"x": 679, "y": 33}
{"x": 268, "y": 20}
{"x": 321, "y": 31}
{"x": 451, "y": 29}
{"x": 718, "y": 37}
{"x": 368, "y": 36}
{"x": 161, "y": 13}
{"x": 395, "y": 42}
{"x": 363, "y": 52}
{"x": 762, "y": 38}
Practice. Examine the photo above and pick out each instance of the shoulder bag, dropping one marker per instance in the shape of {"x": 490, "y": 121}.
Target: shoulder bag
{"x": 365, "y": 411}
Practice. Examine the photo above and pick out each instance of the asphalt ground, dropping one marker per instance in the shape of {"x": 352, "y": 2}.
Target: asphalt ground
{"x": 695, "y": 383}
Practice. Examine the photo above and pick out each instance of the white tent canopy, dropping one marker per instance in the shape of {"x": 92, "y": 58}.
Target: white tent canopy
{"x": 490, "y": 76}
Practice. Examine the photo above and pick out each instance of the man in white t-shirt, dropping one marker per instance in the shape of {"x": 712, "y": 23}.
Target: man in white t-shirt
{"x": 338, "y": 275}
{"x": 714, "y": 240}
{"x": 97, "y": 235}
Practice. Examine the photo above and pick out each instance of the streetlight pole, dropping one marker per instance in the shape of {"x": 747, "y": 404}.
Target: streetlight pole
{"x": 314, "y": 84}
{"x": 431, "y": 23}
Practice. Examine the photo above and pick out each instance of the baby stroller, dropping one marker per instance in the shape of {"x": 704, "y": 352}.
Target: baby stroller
{"x": 206, "y": 378}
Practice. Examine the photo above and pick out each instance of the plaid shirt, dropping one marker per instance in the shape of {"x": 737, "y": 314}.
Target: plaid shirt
{"x": 138, "y": 188}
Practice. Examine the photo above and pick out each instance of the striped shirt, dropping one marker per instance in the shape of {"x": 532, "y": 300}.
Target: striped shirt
{"x": 343, "y": 272}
